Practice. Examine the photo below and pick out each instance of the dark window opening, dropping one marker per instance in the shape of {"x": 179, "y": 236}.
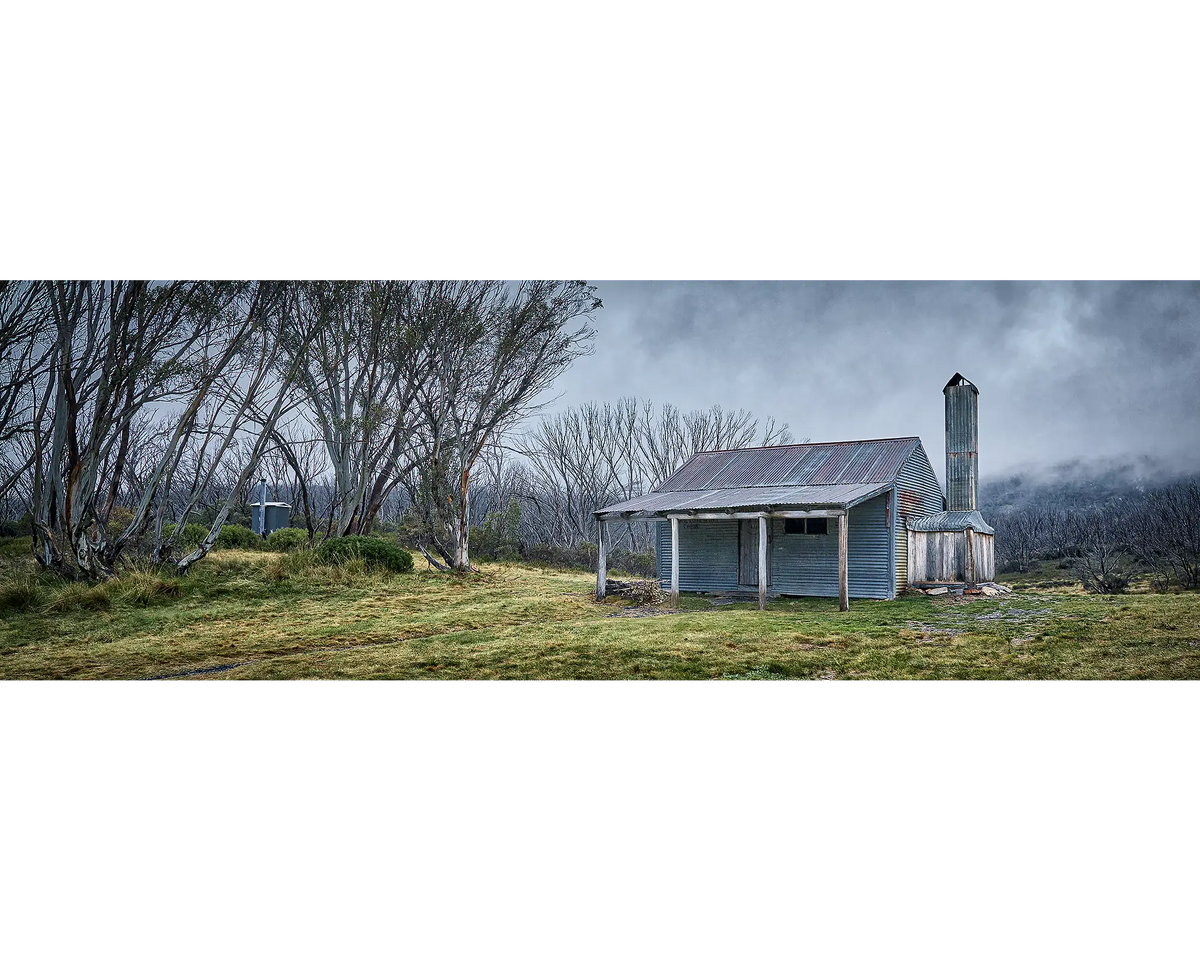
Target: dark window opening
{"x": 813, "y": 526}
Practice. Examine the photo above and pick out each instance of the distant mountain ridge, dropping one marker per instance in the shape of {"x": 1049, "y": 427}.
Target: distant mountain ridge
{"x": 1078, "y": 484}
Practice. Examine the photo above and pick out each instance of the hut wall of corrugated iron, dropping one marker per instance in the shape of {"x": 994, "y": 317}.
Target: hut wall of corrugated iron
{"x": 708, "y": 554}
{"x": 962, "y": 447}
{"x": 800, "y": 564}
{"x": 918, "y": 494}
{"x": 941, "y": 556}
{"x": 807, "y": 565}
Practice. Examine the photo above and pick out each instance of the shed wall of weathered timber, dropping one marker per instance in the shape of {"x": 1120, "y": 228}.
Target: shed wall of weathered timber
{"x": 985, "y": 558}
{"x": 941, "y": 557}
{"x": 918, "y": 494}
{"x": 799, "y": 564}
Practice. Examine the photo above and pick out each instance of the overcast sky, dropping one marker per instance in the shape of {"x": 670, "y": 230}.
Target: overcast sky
{"x": 1064, "y": 370}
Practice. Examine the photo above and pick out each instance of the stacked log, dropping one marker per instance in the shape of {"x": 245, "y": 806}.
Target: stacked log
{"x": 643, "y": 592}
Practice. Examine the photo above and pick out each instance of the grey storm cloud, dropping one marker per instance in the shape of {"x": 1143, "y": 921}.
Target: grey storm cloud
{"x": 1096, "y": 371}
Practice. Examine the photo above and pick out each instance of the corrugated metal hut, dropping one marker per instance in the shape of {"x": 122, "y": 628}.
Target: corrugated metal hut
{"x": 864, "y": 518}
{"x": 812, "y": 519}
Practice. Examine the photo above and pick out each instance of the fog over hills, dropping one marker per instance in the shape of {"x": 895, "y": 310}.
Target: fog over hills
{"x": 1078, "y": 483}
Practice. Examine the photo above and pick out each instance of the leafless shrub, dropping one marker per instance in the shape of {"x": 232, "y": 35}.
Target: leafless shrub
{"x": 1103, "y": 565}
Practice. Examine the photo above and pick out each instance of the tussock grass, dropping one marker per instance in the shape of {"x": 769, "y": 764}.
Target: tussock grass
{"x": 143, "y": 588}
{"x": 81, "y": 596}
{"x": 22, "y": 592}
{"x": 284, "y": 616}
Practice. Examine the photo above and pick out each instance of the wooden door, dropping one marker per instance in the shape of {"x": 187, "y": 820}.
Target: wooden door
{"x": 748, "y": 553}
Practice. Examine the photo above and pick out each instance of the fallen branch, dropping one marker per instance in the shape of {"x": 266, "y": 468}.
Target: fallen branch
{"x": 440, "y": 566}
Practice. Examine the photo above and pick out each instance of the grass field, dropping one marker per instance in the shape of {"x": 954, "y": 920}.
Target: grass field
{"x": 270, "y": 616}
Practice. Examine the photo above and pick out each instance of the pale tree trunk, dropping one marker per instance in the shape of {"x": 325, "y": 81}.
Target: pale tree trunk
{"x": 462, "y": 529}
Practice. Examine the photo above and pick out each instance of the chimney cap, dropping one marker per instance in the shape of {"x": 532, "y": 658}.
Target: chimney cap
{"x": 957, "y": 380}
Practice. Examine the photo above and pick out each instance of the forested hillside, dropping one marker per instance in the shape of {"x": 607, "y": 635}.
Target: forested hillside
{"x": 1104, "y": 522}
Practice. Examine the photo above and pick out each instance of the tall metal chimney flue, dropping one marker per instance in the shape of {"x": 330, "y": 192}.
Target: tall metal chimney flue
{"x": 962, "y": 443}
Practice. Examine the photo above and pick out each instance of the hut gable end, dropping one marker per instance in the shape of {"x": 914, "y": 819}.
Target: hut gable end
{"x": 918, "y": 494}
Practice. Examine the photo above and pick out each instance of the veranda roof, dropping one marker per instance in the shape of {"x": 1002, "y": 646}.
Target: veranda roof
{"x": 833, "y": 496}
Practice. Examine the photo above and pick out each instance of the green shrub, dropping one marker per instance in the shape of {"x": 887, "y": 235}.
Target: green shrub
{"x": 234, "y": 536}
{"x": 21, "y": 527}
{"x": 14, "y": 547}
{"x": 639, "y": 564}
{"x": 583, "y": 557}
{"x": 499, "y": 537}
{"x": 190, "y": 536}
{"x": 287, "y": 539}
{"x": 375, "y": 552}
{"x": 118, "y": 519}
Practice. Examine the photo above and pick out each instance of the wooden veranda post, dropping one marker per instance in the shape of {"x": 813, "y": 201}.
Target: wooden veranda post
{"x": 674, "y": 562}
{"x": 843, "y": 550}
{"x": 601, "y": 568}
{"x": 762, "y": 563}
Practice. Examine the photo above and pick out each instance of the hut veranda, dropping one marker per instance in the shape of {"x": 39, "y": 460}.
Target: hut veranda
{"x": 860, "y": 518}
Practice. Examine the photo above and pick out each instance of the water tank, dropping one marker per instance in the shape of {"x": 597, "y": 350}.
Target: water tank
{"x": 279, "y": 515}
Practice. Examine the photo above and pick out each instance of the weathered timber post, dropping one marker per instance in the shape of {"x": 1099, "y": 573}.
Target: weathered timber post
{"x": 970, "y": 571}
{"x": 601, "y": 568}
{"x": 762, "y": 563}
{"x": 843, "y": 550}
{"x": 674, "y": 561}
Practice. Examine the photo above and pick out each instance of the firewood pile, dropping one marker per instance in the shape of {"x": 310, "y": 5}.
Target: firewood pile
{"x": 641, "y": 592}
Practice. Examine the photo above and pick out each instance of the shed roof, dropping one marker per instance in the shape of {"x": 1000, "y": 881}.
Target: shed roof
{"x": 949, "y": 521}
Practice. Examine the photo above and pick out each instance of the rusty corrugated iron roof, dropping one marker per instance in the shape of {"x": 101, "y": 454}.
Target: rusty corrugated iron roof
{"x": 799, "y": 464}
